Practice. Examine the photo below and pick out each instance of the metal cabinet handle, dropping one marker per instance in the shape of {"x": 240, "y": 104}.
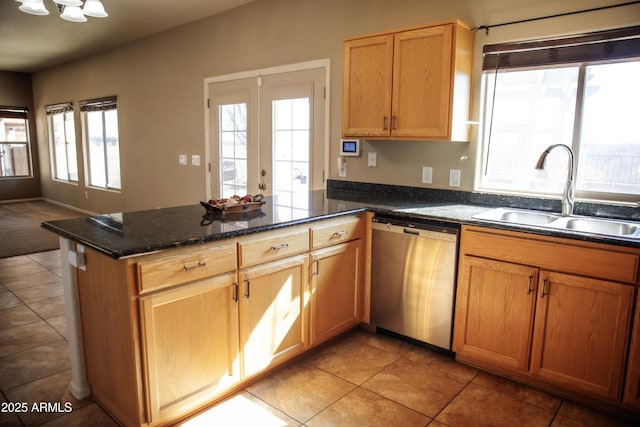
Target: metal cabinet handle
{"x": 394, "y": 119}
{"x": 544, "y": 288}
{"x": 193, "y": 267}
{"x": 280, "y": 246}
{"x": 529, "y": 290}
{"x": 247, "y": 288}
{"x": 384, "y": 122}
{"x": 339, "y": 233}
{"x": 235, "y": 291}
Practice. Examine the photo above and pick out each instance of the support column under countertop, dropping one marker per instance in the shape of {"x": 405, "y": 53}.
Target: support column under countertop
{"x": 80, "y": 387}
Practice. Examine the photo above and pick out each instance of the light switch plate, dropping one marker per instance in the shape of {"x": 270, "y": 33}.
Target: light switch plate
{"x": 454, "y": 177}
{"x": 195, "y": 160}
{"x": 372, "y": 159}
{"x": 182, "y": 159}
{"x": 427, "y": 175}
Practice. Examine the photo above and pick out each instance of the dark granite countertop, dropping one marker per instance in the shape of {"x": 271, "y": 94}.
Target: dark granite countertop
{"x": 134, "y": 233}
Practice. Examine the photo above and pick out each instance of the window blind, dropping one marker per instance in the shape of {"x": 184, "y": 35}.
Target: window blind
{"x": 14, "y": 112}
{"x": 615, "y": 44}
{"x": 99, "y": 104}
{"x": 58, "y": 108}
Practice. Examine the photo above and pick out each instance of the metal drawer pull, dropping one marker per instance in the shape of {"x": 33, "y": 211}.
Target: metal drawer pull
{"x": 544, "y": 288}
{"x": 340, "y": 233}
{"x": 280, "y": 246}
{"x": 247, "y": 288}
{"x": 193, "y": 267}
{"x": 235, "y": 291}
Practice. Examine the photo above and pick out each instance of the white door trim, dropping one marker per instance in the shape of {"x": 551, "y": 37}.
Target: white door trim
{"x": 300, "y": 66}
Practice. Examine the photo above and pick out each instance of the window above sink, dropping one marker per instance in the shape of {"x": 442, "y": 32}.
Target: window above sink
{"x": 579, "y": 101}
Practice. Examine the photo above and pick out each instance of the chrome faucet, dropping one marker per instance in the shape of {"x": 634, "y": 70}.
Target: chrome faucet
{"x": 567, "y": 196}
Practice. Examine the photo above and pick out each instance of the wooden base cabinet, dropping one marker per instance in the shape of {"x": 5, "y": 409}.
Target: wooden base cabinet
{"x": 168, "y": 333}
{"x": 581, "y": 332}
{"x": 336, "y": 291}
{"x": 192, "y": 345}
{"x": 559, "y": 330}
{"x": 632, "y": 383}
{"x": 494, "y": 315}
{"x": 273, "y": 313}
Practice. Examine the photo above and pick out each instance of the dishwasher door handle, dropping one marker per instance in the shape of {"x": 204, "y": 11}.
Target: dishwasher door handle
{"x": 414, "y": 232}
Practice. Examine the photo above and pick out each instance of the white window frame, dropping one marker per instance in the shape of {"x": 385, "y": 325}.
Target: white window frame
{"x": 53, "y": 111}
{"x": 20, "y": 113}
{"x": 101, "y": 105}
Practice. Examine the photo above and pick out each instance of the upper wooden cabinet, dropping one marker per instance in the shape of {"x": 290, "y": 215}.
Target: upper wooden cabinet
{"x": 412, "y": 84}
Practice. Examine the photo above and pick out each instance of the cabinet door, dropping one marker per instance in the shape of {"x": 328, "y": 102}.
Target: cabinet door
{"x": 336, "y": 277}
{"x": 191, "y": 344}
{"x": 366, "y": 100}
{"x": 632, "y": 387}
{"x": 273, "y": 314}
{"x": 581, "y": 333}
{"x": 494, "y": 312}
{"x": 422, "y": 83}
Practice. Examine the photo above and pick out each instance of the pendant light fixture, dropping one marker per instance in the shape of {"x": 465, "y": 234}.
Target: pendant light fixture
{"x": 70, "y": 10}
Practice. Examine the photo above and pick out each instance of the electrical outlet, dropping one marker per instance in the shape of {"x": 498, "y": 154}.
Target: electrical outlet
{"x": 195, "y": 160}
{"x": 373, "y": 159}
{"x": 454, "y": 177}
{"x": 427, "y": 175}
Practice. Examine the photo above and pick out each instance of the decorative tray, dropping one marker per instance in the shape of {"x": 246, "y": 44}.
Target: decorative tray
{"x": 235, "y": 204}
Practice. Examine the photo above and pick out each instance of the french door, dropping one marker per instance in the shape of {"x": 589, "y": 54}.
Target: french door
{"x": 267, "y": 136}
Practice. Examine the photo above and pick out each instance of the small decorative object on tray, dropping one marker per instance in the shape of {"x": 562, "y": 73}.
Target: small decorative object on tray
{"x": 234, "y": 204}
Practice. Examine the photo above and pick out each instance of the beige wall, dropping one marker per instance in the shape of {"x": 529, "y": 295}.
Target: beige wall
{"x": 15, "y": 91}
{"x": 159, "y": 82}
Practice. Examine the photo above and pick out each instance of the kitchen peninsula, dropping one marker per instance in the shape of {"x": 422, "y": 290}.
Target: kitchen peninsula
{"x": 179, "y": 308}
{"x": 170, "y": 309}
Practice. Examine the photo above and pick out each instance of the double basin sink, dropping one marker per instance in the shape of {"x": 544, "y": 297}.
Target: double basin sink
{"x": 607, "y": 227}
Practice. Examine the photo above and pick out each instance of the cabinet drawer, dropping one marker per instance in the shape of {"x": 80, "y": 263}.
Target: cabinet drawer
{"x": 272, "y": 245}
{"x": 335, "y": 231}
{"x": 185, "y": 265}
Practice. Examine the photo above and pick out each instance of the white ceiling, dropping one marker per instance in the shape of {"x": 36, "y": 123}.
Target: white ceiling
{"x": 31, "y": 43}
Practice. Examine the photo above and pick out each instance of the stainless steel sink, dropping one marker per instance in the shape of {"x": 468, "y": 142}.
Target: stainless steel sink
{"x": 518, "y": 216}
{"x": 597, "y": 226}
{"x": 608, "y": 227}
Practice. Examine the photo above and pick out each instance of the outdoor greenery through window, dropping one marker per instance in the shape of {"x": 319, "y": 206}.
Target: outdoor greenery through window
{"x": 100, "y": 120}
{"x": 15, "y": 153}
{"x": 62, "y": 138}
{"x": 590, "y": 106}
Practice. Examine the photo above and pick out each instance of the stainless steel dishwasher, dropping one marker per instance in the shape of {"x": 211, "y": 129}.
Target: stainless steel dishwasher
{"x": 413, "y": 276}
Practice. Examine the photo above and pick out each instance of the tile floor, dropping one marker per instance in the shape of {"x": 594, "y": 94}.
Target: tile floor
{"x": 361, "y": 380}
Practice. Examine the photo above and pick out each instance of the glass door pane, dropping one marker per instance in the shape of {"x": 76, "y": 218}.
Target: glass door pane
{"x": 233, "y": 142}
{"x": 291, "y": 143}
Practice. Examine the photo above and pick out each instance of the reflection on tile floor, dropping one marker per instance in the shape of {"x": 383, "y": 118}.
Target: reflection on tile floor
{"x": 361, "y": 380}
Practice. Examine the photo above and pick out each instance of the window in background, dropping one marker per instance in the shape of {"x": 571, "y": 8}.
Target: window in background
{"x": 580, "y": 92}
{"x": 100, "y": 121}
{"x": 62, "y": 140}
{"x": 15, "y": 152}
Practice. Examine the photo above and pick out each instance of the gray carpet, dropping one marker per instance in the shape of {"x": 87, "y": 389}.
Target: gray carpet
{"x": 20, "y": 231}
